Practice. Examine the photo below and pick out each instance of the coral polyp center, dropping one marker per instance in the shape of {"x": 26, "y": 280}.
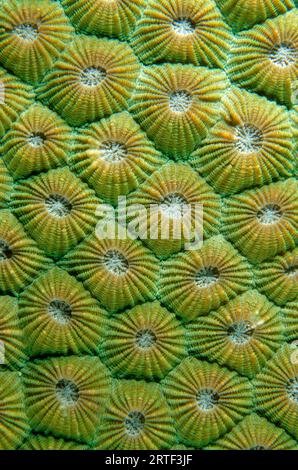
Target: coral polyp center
{"x": 36, "y": 139}
{"x": 292, "y": 270}
{"x": 207, "y": 276}
{"x": 134, "y": 423}
{"x": 248, "y": 138}
{"x": 180, "y": 101}
{"x": 60, "y": 311}
{"x": 145, "y": 339}
{"x": 67, "y": 392}
{"x": 269, "y": 214}
{"x": 173, "y": 205}
{"x": 92, "y": 76}
{"x": 292, "y": 389}
{"x": 113, "y": 152}
{"x": 26, "y": 32}
{"x": 207, "y": 399}
{"x": 5, "y": 250}
{"x": 115, "y": 262}
{"x": 58, "y": 205}
{"x": 183, "y": 26}
{"x": 240, "y": 332}
{"x": 284, "y": 55}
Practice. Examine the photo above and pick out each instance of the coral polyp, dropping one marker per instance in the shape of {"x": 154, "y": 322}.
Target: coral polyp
{"x": 56, "y": 208}
{"x": 114, "y": 156}
{"x": 263, "y": 222}
{"x": 278, "y": 278}
{"x": 136, "y": 417}
{"x": 110, "y": 18}
{"x": 119, "y": 273}
{"x": 242, "y": 335}
{"x": 40, "y": 442}
{"x": 20, "y": 258}
{"x": 255, "y": 433}
{"x": 180, "y": 206}
{"x": 15, "y": 96}
{"x": 5, "y": 185}
{"x": 276, "y": 389}
{"x": 265, "y": 58}
{"x": 39, "y": 140}
{"x": 13, "y": 420}
{"x": 148, "y": 226}
{"x": 182, "y": 31}
{"x": 65, "y": 396}
{"x": 176, "y": 104}
{"x": 250, "y": 145}
{"x": 91, "y": 79}
{"x": 59, "y": 316}
{"x": 146, "y": 341}
{"x": 242, "y": 14}
{"x": 205, "y": 400}
{"x": 32, "y": 34}
{"x": 198, "y": 281}
{"x": 290, "y": 320}
{"x": 11, "y": 335}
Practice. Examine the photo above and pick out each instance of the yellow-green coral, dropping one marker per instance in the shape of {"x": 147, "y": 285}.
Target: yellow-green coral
{"x": 146, "y": 341}
{"x": 136, "y": 417}
{"x": 242, "y": 335}
{"x": 59, "y": 316}
{"x": 206, "y": 401}
{"x": 91, "y": 79}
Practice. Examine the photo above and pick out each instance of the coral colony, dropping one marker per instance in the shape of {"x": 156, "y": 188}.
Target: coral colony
{"x": 148, "y": 224}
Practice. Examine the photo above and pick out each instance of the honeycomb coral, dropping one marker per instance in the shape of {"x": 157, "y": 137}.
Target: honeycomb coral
{"x": 167, "y": 195}
{"x": 114, "y": 156}
{"x": 119, "y": 273}
{"x": 242, "y": 335}
{"x": 32, "y": 34}
{"x": 187, "y": 31}
{"x": 20, "y": 258}
{"x": 110, "y": 18}
{"x": 251, "y": 145}
{"x": 11, "y": 335}
{"x": 176, "y": 104}
{"x": 13, "y": 420}
{"x": 263, "y": 222}
{"x": 15, "y": 96}
{"x": 265, "y": 58}
{"x": 65, "y": 396}
{"x": 136, "y": 417}
{"x": 278, "y": 278}
{"x": 39, "y": 442}
{"x": 5, "y": 185}
{"x": 56, "y": 208}
{"x": 255, "y": 433}
{"x": 148, "y": 226}
{"x": 59, "y": 317}
{"x": 206, "y": 400}
{"x": 195, "y": 282}
{"x": 276, "y": 390}
{"x": 242, "y": 14}
{"x": 38, "y": 141}
{"x": 148, "y": 339}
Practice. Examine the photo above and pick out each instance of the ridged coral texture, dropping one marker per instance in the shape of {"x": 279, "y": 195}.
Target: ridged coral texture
{"x": 134, "y": 115}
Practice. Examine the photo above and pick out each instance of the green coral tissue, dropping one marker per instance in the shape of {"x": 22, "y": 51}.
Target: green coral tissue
{"x": 148, "y": 224}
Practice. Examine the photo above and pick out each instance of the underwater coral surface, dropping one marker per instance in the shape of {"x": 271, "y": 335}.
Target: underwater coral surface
{"x": 148, "y": 342}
